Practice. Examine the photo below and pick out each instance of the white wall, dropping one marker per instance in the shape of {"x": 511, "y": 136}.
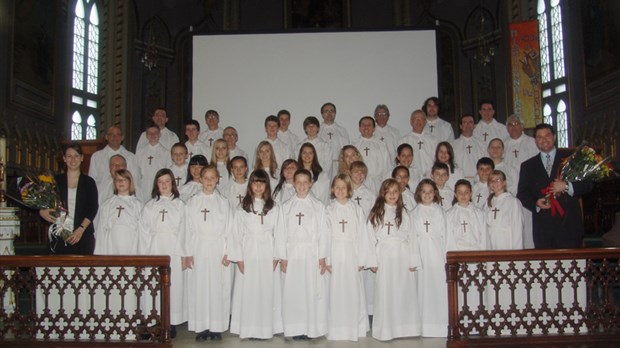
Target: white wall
{"x": 248, "y": 77}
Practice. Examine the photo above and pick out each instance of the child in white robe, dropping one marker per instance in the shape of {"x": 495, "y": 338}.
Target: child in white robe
{"x": 440, "y": 175}
{"x": 209, "y": 224}
{"x": 256, "y": 311}
{"x": 302, "y": 246}
{"x": 401, "y": 175}
{"x": 429, "y": 224}
{"x": 162, "y": 232}
{"x": 404, "y": 157}
{"x": 466, "y": 228}
{"x": 238, "y": 183}
{"x": 151, "y": 158}
{"x": 309, "y": 160}
{"x": 484, "y": 168}
{"x": 193, "y": 184}
{"x": 179, "y": 156}
{"x": 285, "y": 190}
{"x": 504, "y": 215}
{"x": 350, "y": 244}
{"x": 265, "y": 159}
{"x": 117, "y": 234}
{"x": 220, "y": 157}
{"x": 397, "y": 263}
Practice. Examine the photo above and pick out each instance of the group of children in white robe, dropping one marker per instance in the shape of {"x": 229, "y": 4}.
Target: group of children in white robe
{"x": 262, "y": 264}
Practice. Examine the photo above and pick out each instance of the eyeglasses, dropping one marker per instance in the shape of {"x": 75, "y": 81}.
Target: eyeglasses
{"x": 514, "y": 124}
{"x": 497, "y": 180}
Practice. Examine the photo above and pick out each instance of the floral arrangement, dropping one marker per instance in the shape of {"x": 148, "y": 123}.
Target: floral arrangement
{"x": 583, "y": 164}
{"x": 40, "y": 193}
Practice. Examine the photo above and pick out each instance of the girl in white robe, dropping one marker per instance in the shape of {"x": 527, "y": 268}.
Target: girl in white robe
{"x": 309, "y": 160}
{"x": 401, "y": 175}
{"x": 504, "y": 215}
{"x": 193, "y": 185}
{"x": 302, "y": 246}
{"x": 256, "y": 310}
{"x": 220, "y": 157}
{"x": 440, "y": 174}
{"x": 117, "y": 234}
{"x": 396, "y": 262}
{"x": 162, "y": 232}
{"x": 209, "y": 224}
{"x": 285, "y": 190}
{"x": 265, "y": 159}
{"x": 429, "y": 224}
{"x": 238, "y": 183}
{"x": 350, "y": 245}
{"x": 117, "y": 220}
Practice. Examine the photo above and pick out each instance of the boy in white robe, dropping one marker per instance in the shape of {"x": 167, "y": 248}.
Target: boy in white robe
{"x": 480, "y": 190}
{"x": 152, "y": 157}
{"x": 302, "y": 246}
{"x": 179, "y": 163}
{"x": 237, "y": 186}
{"x": 440, "y": 175}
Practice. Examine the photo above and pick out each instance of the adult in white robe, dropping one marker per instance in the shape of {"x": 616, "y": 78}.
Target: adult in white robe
{"x": 209, "y": 223}
{"x": 167, "y": 137}
{"x": 488, "y": 128}
{"x": 256, "y": 308}
{"x": 436, "y": 127}
{"x": 467, "y": 152}
{"x": 150, "y": 158}
{"x": 162, "y": 232}
{"x": 385, "y": 132}
{"x": 396, "y": 306}
{"x": 349, "y": 247}
{"x": 376, "y": 157}
{"x": 429, "y": 224}
{"x": 302, "y": 242}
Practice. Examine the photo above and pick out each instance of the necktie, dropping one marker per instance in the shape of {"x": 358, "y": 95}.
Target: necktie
{"x": 548, "y": 165}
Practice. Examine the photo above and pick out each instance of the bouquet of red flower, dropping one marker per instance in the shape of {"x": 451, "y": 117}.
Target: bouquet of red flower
{"x": 39, "y": 192}
{"x": 583, "y": 164}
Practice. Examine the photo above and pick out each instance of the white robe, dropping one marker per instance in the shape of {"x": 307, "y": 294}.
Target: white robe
{"x": 423, "y": 150}
{"x": 281, "y": 150}
{"x": 467, "y": 152}
{"x": 188, "y": 190}
{"x": 512, "y": 177}
{"x": 517, "y": 151}
{"x": 409, "y": 201}
{"x": 180, "y": 174}
{"x": 167, "y": 139}
{"x": 429, "y": 224}
{"x": 321, "y": 188}
{"x": 99, "y": 168}
{"x": 117, "y": 226}
{"x": 208, "y": 137}
{"x": 466, "y": 228}
{"x": 303, "y": 242}
{"x": 439, "y": 129}
{"x": 337, "y": 137}
{"x": 150, "y": 158}
{"x": 224, "y": 175}
{"x": 396, "y": 306}
{"x": 291, "y": 139}
{"x": 447, "y": 196}
{"x": 162, "y": 232}
{"x": 256, "y": 310}
{"x": 389, "y": 136}
{"x": 209, "y": 224}
{"x": 505, "y": 222}
{"x": 286, "y": 192}
{"x": 486, "y": 132}
{"x": 350, "y": 245}
{"x": 376, "y": 157}
{"x": 234, "y": 192}
{"x": 480, "y": 194}
{"x": 237, "y": 151}
{"x": 197, "y": 148}
{"x": 365, "y": 198}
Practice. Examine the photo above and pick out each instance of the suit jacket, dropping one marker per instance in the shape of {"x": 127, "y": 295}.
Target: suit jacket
{"x": 86, "y": 206}
{"x": 551, "y": 231}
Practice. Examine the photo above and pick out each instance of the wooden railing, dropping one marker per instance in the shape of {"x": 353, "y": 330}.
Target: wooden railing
{"x": 85, "y": 301}
{"x": 528, "y": 297}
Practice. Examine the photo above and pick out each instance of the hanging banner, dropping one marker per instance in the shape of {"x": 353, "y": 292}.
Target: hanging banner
{"x": 525, "y": 67}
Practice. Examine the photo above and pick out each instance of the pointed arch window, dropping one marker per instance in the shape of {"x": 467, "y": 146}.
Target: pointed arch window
{"x": 553, "y": 69}
{"x": 85, "y": 71}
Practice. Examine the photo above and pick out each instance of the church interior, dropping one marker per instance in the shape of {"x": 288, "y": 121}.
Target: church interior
{"x": 141, "y": 59}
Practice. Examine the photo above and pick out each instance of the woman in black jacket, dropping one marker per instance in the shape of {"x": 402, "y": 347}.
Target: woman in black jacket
{"x": 78, "y": 194}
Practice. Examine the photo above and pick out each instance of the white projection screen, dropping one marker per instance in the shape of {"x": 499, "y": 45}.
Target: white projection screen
{"x": 248, "y": 77}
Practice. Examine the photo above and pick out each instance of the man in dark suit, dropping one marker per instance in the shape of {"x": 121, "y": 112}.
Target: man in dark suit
{"x": 540, "y": 172}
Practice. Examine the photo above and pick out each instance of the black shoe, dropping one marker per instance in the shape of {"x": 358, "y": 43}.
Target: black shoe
{"x": 203, "y": 336}
{"x": 173, "y": 331}
{"x": 300, "y": 338}
{"x": 216, "y": 336}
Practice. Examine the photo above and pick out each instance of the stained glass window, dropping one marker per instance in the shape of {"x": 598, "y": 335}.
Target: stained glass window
{"x": 85, "y": 70}
{"x": 553, "y": 68}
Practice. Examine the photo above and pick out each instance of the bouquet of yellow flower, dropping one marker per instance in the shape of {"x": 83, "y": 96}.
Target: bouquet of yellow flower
{"x": 39, "y": 192}
{"x": 583, "y": 164}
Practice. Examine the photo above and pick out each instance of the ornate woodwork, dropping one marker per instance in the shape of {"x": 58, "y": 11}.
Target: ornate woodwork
{"x": 533, "y": 296}
{"x": 94, "y": 282}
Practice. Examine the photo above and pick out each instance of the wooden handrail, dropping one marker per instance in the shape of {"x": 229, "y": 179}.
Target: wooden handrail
{"x": 533, "y": 296}
{"x": 35, "y": 284}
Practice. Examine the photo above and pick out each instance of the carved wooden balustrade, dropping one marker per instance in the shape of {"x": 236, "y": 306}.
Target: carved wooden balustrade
{"x": 532, "y": 297}
{"x": 85, "y": 301}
